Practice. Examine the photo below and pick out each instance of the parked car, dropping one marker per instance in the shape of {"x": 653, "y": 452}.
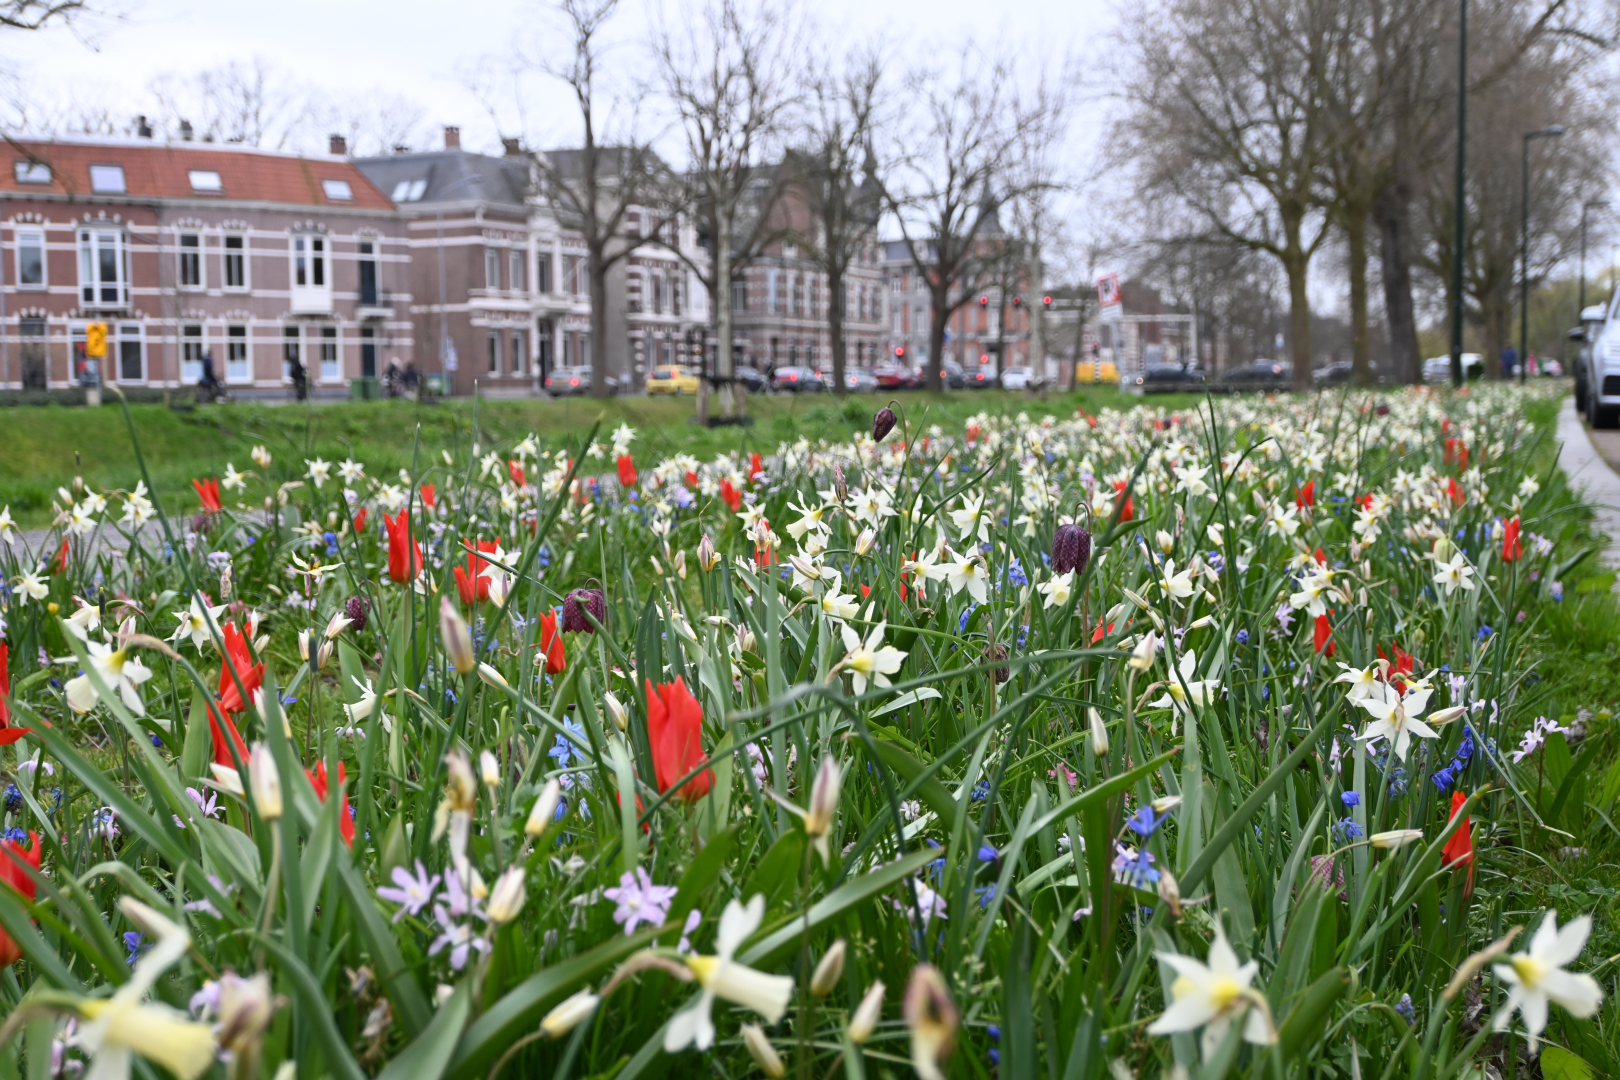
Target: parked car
{"x": 897, "y": 377}
{"x": 1437, "y": 369}
{"x": 1597, "y": 375}
{"x": 951, "y": 375}
{"x": 1163, "y": 379}
{"x": 859, "y": 381}
{"x": 1020, "y": 378}
{"x": 671, "y": 379}
{"x": 752, "y": 380}
{"x": 798, "y": 380}
{"x": 981, "y": 377}
{"x": 1336, "y": 374}
{"x": 1090, "y": 372}
{"x": 1264, "y": 375}
{"x": 568, "y": 381}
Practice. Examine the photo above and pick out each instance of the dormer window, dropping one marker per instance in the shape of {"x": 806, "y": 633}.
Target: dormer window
{"x": 33, "y": 172}
{"x": 107, "y": 180}
{"x": 206, "y": 182}
{"x": 338, "y": 190}
{"x": 409, "y": 191}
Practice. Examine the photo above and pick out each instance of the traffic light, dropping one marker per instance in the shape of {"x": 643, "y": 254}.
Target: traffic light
{"x": 899, "y": 350}
{"x": 1046, "y": 302}
{"x": 1018, "y": 301}
{"x": 984, "y": 301}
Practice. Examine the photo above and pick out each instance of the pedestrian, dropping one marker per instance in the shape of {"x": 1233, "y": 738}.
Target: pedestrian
{"x": 1510, "y": 360}
{"x": 413, "y": 378}
{"x": 391, "y": 378}
{"x": 300, "y": 379}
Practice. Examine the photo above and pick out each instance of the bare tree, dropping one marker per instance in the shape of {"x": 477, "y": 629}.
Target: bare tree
{"x": 374, "y": 123}
{"x": 944, "y": 192}
{"x": 1036, "y": 181}
{"x": 1227, "y": 118}
{"x": 837, "y": 170}
{"x": 245, "y": 103}
{"x": 36, "y": 14}
{"x": 729, "y": 73}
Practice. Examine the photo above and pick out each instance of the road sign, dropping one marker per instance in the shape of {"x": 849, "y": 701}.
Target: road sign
{"x": 95, "y": 340}
{"x": 1108, "y": 290}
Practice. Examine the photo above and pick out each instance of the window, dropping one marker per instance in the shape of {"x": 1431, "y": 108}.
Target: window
{"x": 494, "y": 352}
{"x": 290, "y": 352}
{"x": 236, "y": 262}
{"x": 520, "y": 351}
{"x": 311, "y": 280}
{"x": 103, "y": 268}
{"x": 205, "y": 182}
{"x": 107, "y": 179}
{"x": 542, "y": 277}
{"x": 191, "y": 271}
{"x": 191, "y": 353}
{"x": 237, "y": 368}
{"x": 368, "y": 352}
{"x": 409, "y": 190}
{"x": 492, "y": 268}
{"x": 131, "y": 353}
{"x": 739, "y": 297}
{"x": 368, "y": 274}
{"x": 31, "y": 258}
{"x": 773, "y": 303}
{"x": 338, "y": 190}
{"x": 33, "y": 172}
{"x": 330, "y": 371}
{"x": 658, "y": 294}
{"x": 515, "y": 281}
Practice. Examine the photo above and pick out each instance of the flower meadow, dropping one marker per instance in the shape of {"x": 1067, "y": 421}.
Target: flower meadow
{"x": 1143, "y": 743}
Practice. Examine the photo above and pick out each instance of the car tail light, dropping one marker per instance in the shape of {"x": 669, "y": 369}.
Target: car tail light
{"x": 573, "y": 382}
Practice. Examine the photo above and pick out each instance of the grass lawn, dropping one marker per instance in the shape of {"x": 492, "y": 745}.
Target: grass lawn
{"x": 45, "y": 448}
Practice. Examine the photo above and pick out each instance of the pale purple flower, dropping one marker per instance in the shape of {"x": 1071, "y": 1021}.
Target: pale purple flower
{"x": 414, "y": 892}
{"x": 208, "y": 806}
{"x": 640, "y": 901}
{"x": 1285, "y": 617}
{"x": 460, "y": 939}
{"x": 694, "y": 919}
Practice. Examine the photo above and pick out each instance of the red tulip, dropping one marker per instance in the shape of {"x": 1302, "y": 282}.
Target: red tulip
{"x": 514, "y": 469}
{"x": 8, "y": 734}
{"x": 62, "y": 557}
{"x": 471, "y": 582}
{"x": 1511, "y": 551}
{"x": 13, "y": 861}
{"x": 360, "y": 520}
{"x": 1128, "y": 510}
{"x": 1324, "y": 636}
{"x": 1455, "y": 492}
{"x": 430, "y": 498}
{"x": 1097, "y": 634}
{"x": 627, "y": 470}
{"x": 755, "y": 466}
{"x": 404, "y": 554}
{"x": 240, "y": 661}
{"x": 1459, "y": 850}
{"x": 675, "y": 730}
{"x": 208, "y": 492}
{"x": 1305, "y": 496}
{"x": 317, "y": 780}
{"x": 691, "y": 479}
{"x": 730, "y": 495}
{"x": 551, "y": 644}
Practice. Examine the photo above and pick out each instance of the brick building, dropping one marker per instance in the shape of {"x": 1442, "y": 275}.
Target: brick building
{"x": 247, "y": 257}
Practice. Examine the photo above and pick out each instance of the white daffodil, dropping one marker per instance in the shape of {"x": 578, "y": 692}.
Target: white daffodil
{"x": 1183, "y": 693}
{"x": 970, "y": 520}
{"x": 1536, "y": 977}
{"x": 1309, "y": 597}
{"x": 1396, "y": 717}
{"x": 1454, "y": 574}
{"x": 8, "y": 527}
{"x": 968, "y": 572}
{"x": 1190, "y": 478}
{"x": 32, "y": 587}
{"x": 352, "y": 471}
{"x": 1213, "y": 995}
{"x": 232, "y": 480}
{"x": 1174, "y": 585}
{"x": 1363, "y": 682}
{"x": 319, "y": 471}
{"x": 1057, "y": 589}
{"x": 196, "y": 621}
{"x": 810, "y": 517}
{"x": 871, "y": 660}
{"x": 362, "y": 708}
{"x": 117, "y": 1028}
{"x": 722, "y": 976}
{"x": 261, "y": 456}
{"x": 83, "y": 620}
{"x": 837, "y": 605}
{"x": 119, "y": 670}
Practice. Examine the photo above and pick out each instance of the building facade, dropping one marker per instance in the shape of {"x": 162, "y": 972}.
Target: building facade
{"x": 991, "y": 323}
{"x": 194, "y": 253}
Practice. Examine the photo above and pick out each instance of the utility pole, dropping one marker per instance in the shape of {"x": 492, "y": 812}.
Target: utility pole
{"x": 1459, "y": 247}
{"x": 1524, "y": 248}
{"x": 1598, "y": 204}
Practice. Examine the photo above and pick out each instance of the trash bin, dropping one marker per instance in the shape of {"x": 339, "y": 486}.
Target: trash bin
{"x": 365, "y": 388}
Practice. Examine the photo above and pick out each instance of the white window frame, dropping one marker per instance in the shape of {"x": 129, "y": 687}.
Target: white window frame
{"x": 331, "y": 354}
{"x": 337, "y": 190}
{"x": 32, "y": 172}
{"x": 32, "y": 239}
{"x": 182, "y": 252}
{"x": 238, "y": 354}
{"x": 94, "y": 242}
{"x": 103, "y": 177}
{"x": 515, "y": 265}
{"x": 225, "y": 262}
{"x": 310, "y": 253}
{"x": 135, "y": 333}
{"x": 191, "y": 369}
{"x": 492, "y": 269}
{"x": 205, "y": 181}
{"x": 520, "y": 351}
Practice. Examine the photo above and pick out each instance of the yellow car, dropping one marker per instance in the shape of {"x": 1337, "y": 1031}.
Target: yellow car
{"x": 1088, "y": 372}
{"x": 671, "y": 379}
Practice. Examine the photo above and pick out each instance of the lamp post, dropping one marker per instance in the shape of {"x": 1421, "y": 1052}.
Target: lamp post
{"x": 1524, "y": 247}
{"x": 1597, "y": 204}
{"x": 1459, "y": 246}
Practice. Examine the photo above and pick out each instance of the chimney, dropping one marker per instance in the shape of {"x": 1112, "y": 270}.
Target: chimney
{"x": 142, "y": 128}
{"x": 401, "y": 148}
{"x": 452, "y": 137}
{"x": 185, "y": 131}
{"x": 514, "y": 147}
{"x": 337, "y": 146}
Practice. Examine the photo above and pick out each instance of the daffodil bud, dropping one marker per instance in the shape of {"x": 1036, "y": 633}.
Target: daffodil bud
{"x": 1446, "y": 716}
{"x": 680, "y": 564}
{"x": 616, "y": 710}
{"x": 545, "y": 808}
{"x": 265, "y": 781}
{"x": 489, "y": 769}
{"x": 1166, "y": 542}
{"x": 932, "y": 1017}
{"x": 492, "y": 677}
{"x": 863, "y": 1021}
{"x": 761, "y": 1050}
{"x": 1142, "y": 657}
{"x": 1395, "y": 838}
{"x": 864, "y": 542}
{"x": 1099, "y": 731}
{"x": 1170, "y": 892}
{"x": 827, "y": 973}
{"x": 245, "y": 1007}
{"x": 457, "y": 638}
{"x": 569, "y": 1014}
{"x": 506, "y": 899}
{"x": 708, "y": 558}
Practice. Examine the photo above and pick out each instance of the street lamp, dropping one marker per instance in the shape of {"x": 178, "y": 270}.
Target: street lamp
{"x": 1459, "y": 241}
{"x": 1524, "y": 247}
{"x": 1596, "y": 204}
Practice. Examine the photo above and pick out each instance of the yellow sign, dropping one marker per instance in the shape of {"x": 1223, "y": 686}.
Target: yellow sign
{"x": 95, "y": 340}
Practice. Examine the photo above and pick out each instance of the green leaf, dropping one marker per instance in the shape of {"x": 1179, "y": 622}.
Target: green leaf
{"x": 701, "y": 874}
{"x": 778, "y": 871}
{"x": 429, "y": 1055}
{"x": 1559, "y": 1064}
{"x": 910, "y": 697}
{"x": 1309, "y": 1018}
{"x": 318, "y": 1013}
{"x": 836, "y": 903}
{"x": 933, "y": 793}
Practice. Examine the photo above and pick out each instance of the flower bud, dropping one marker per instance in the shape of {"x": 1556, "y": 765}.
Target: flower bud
{"x": 1445, "y": 716}
{"x": 492, "y": 677}
{"x": 456, "y": 637}
{"x": 303, "y": 645}
{"x": 245, "y": 1007}
{"x": 1170, "y": 892}
{"x": 577, "y": 603}
{"x": 883, "y": 423}
{"x": 569, "y": 1014}
{"x": 864, "y": 542}
{"x": 265, "y": 782}
{"x": 338, "y": 623}
{"x": 1166, "y": 542}
{"x": 357, "y": 608}
{"x": 761, "y": 1050}
{"x": 867, "y": 1014}
{"x": 827, "y": 973}
{"x": 680, "y": 564}
{"x": 616, "y": 710}
{"x": 506, "y": 899}
{"x": 1395, "y": 838}
{"x": 545, "y": 808}
{"x": 1071, "y": 549}
{"x": 932, "y": 1018}
{"x": 489, "y": 769}
{"x": 1142, "y": 658}
{"x": 708, "y": 558}
{"x": 1099, "y": 732}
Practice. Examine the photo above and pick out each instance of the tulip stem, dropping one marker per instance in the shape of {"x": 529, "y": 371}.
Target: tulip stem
{"x": 271, "y": 884}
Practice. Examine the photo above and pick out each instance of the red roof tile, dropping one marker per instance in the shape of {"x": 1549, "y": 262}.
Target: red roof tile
{"x": 162, "y": 171}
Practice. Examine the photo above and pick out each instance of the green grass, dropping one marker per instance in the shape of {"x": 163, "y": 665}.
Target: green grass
{"x": 44, "y": 448}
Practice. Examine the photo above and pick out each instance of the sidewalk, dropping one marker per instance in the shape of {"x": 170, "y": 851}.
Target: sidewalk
{"x": 1588, "y": 459}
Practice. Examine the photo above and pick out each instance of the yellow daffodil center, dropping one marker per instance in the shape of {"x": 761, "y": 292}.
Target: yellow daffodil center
{"x": 1223, "y": 992}
{"x": 863, "y": 662}
{"x": 1529, "y": 969}
{"x": 703, "y": 967}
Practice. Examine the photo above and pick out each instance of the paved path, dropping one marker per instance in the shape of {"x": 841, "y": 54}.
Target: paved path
{"x": 1591, "y": 475}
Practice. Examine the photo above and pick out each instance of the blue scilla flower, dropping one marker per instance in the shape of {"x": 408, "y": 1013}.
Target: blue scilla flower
{"x": 1351, "y": 798}
{"x": 981, "y": 790}
{"x": 1484, "y": 632}
{"x": 1144, "y": 822}
{"x": 14, "y": 799}
{"x": 1023, "y": 636}
{"x": 1406, "y": 1009}
{"x": 1397, "y": 782}
{"x": 967, "y": 613}
{"x": 986, "y": 894}
{"x": 986, "y": 853}
{"x": 134, "y": 942}
{"x": 1443, "y": 778}
{"x": 1015, "y": 573}
{"x": 16, "y": 836}
{"x": 1135, "y": 868}
{"x": 993, "y": 1032}
{"x": 1347, "y": 829}
{"x": 1242, "y": 637}
{"x": 1216, "y": 561}
{"x": 157, "y": 741}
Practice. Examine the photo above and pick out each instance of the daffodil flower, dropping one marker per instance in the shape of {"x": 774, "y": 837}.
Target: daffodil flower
{"x": 722, "y": 976}
{"x": 1454, "y": 574}
{"x": 1363, "y": 682}
{"x": 1057, "y": 590}
{"x": 1536, "y": 977}
{"x": 199, "y": 622}
{"x": 871, "y": 660}
{"x": 118, "y": 669}
{"x": 968, "y": 572}
{"x": 1213, "y": 995}
{"x": 1396, "y": 717}
{"x": 1183, "y": 693}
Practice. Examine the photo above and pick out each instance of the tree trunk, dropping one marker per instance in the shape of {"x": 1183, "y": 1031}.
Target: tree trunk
{"x": 1037, "y": 315}
{"x": 1392, "y": 210}
{"x": 1296, "y": 263}
{"x": 596, "y": 267}
{"x": 835, "y": 324}
{"x": 1355, "y": 232}
{"x": 939, "y": 294}
{"x": 1496, "y": 310}
{"x": 725, "y": 368}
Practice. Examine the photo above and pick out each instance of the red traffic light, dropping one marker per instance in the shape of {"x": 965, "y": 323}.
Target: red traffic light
{"x": 1018, "y": 301}
{"x": 899, "y": 350}
{"x": 984, "y": 301}
{"x": 1047, "y": 300}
